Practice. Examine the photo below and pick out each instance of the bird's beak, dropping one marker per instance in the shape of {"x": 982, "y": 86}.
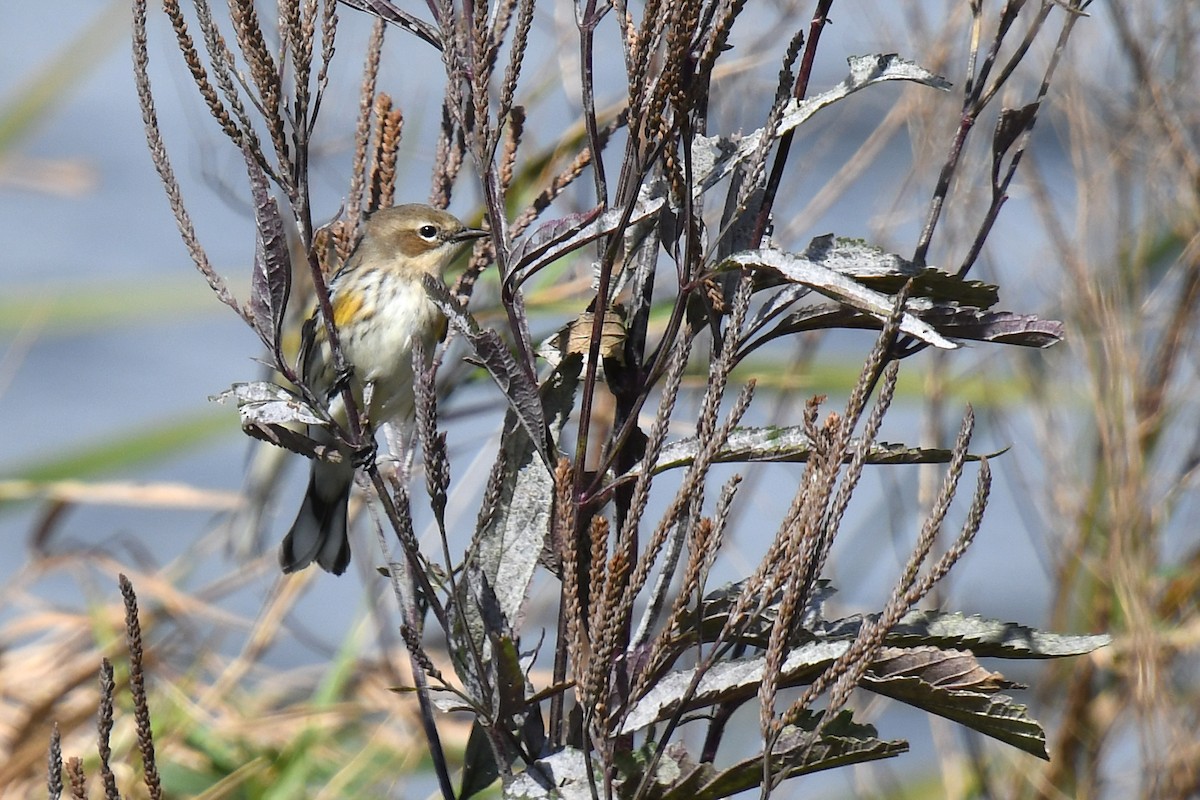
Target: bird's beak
{"x": 467, "y": 234}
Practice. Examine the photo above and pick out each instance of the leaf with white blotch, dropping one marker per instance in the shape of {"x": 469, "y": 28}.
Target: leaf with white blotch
{"x": 832, "y": 283}
{"x": 908, "y": 679}
{"x": 560, "y": 776}
{"x": 271, "y": 281}
{"x": 266, "y": 409}
{"x": 515, "y": 383}
{"x": 986, "y": 638}
{"x": 512, "y": 536}
{"x": 733, "y": 680}
{"x": 887, "y": 272}
{"x": 270, "y": 403}
{"x": 715, "y": 157}
{"x": 444, "y": 700}
{"x": 790, "y": 444}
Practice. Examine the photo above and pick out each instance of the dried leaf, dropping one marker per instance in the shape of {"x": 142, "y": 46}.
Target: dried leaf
{"x": 994, "y": 715}
{"x": 575, "y": 337}
{"x": 266, "y": 409}
{"x": 790, "y": 444}
{"x": 517, "y": 386}
{"x": 945, "y": 669}
{"x": 713, "y": 158}
{"x": 842, "y": 742}
{"x": 544, "y": 238}
{"x": 271, "y": 281}
{"x": 506, "y": 549}
{"x": 833, "y": 284}
{"x": 1013, "y": 122}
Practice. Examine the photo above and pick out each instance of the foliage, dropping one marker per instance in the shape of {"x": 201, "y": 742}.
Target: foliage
{"x": 643, "y": 642}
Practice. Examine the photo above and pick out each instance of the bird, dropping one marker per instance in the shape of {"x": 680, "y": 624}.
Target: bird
{"x": 380, "y": 308}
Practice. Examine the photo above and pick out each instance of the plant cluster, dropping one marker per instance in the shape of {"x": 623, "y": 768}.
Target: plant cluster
{"x": 676, "y": 238}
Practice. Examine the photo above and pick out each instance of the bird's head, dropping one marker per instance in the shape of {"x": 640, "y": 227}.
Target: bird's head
{"x": 416, "y": 237}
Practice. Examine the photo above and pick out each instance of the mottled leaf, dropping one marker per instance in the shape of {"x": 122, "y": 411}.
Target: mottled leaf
{"x": 511, "y": 538}
{"x": 1001, "y": 327}
{"x": 710, "y": 623}
{"x": 842, "y": 742}
{"x": 266, "y": 409}
{"x": 263, "y": 401}
{"x": 271, "y": 281}
{"x": 544, "y": 238}
{"x": 832, "y": 283}
{"x": 994, "y": 715}
{"x": 561, "y": 239}
{"x": 983, "y": 637}
{"x": 790, "y": 444}
{"x": 515, "y": 383}
{"x": 713, "y": 158}
{"x": 969, "y": 324}
{"x": 887, "y": 272}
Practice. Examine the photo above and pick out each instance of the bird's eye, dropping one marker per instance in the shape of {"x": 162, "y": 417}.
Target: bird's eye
{"x": 428, "y": 232}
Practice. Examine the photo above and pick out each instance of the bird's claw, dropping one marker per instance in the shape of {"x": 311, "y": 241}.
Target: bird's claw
{"x": 341, "y": 380}
{"x": 364, "y": 455}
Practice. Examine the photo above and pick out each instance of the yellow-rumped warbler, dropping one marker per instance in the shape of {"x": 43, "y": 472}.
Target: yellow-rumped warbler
{"x": 380, "y": 308}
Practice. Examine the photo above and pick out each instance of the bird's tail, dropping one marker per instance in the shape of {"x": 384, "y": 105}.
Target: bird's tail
{"x": 319, "y": 532}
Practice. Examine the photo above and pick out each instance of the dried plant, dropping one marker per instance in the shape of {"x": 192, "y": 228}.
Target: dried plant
{"x": 105, "y": 718}
{"x": 671, "y": 203}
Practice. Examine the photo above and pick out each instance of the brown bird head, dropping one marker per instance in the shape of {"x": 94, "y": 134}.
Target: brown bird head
{"x": 415, "y": 238}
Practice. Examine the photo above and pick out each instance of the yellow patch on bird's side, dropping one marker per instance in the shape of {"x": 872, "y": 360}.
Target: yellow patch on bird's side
{"x": 346, "y": 307}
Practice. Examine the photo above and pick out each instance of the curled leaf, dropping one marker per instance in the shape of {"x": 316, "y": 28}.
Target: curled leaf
{"x": 271, "y": 281}
{"x": 267, "y": 410}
